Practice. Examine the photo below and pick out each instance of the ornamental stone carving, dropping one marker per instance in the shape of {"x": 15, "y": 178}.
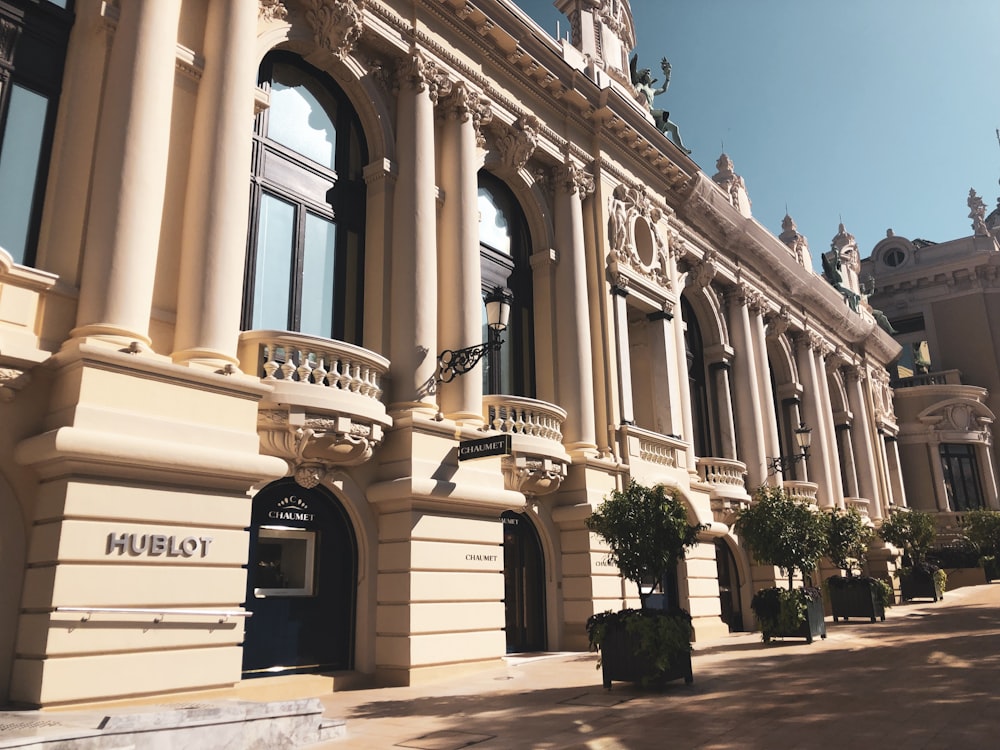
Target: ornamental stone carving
{"x": 977, "y": 212}
{"x": 9, "y": 33}
{"x": 532, "y": 475}
{"x": 634, "y": 238}
{"x": 271, "y": 10}
{"x": 519, "y": 142}
{"x": 12, "y": 380}
{"x": 463, "y": 103}
{"x": 778, "y": 322}
{"x": 573, "y": 179}
{"x": 336, "y": 24}
{"x": 326, "y": 440}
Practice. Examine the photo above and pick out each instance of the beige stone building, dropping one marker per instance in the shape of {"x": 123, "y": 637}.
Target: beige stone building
{"x": 943, "y": 301}
{"x": 246, "y": 248}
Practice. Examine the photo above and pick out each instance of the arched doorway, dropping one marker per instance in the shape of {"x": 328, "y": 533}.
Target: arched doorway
{"x": 524, "y": 584}
{"x": 729, "y": 586}
{"x": 301, "y": 582}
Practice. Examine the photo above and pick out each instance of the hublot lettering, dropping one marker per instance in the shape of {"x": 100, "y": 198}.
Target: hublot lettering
{"x": 158, "y": 545}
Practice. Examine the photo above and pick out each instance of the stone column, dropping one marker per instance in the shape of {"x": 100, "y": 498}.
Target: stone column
{"x": 665, "y": 373}
{"x": 413, "y": 345}
{"x": 895, "y": 474}
{"x": 750, "y": 429}
{"x": 848, "y": 456}
{"x": 460, "y": 304}
{"x": 575, "y": 356}
{"x": 814, "y": 416}
{"x": 937, "y": 472}
{"x": 864, "y": 443}
{"x": 828, "y": 427}
{"x": 985, "y": 461}
{"x": 768, "y": 413}
{"x": 130, "y": 169}
{"x": 723, "y": 417}
{"x": 213, "y": 245}
{"x": 619, "y": 291}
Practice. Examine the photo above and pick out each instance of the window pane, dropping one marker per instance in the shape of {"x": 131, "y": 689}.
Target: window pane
{"x": 298, "y": 118}
{"x": 317, "y": 277}
{"x": 19, "y": 154}
{"x": 273, "y": 272}
{"x": 494, "y": 229}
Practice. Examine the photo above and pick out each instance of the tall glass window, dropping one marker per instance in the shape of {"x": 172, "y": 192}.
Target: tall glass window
{"x": 961, "y": 476}
{"x": 308, "y": 196}
{"x": 504, "y": 252}
{"x": 32, "y": 57}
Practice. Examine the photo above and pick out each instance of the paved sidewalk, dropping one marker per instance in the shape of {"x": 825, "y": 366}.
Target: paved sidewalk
{"x": 926, "y": 678}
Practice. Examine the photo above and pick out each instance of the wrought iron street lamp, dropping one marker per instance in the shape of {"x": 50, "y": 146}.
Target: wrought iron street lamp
{"x": 803, "y": 439}
{"x": 454, "y": 362}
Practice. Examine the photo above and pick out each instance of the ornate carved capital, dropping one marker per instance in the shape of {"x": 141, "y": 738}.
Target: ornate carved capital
{"x": 271, "y": 10}
{"x": 421, "y": 74}
{"x": 519, "y": 142}
{"x": 573, "y": 179}
{"x": 336, "y": 24}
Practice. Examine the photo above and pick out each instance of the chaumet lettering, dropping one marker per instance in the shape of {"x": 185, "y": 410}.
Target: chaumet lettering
{"x": 290, "y": 515}
{"x": 482, "y": 558}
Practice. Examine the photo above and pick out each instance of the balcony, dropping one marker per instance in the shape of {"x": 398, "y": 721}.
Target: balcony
{"x": 943, "y": 377}
{"x": 538, "y": 462}
{"x": 861, "y": 504}
{"x": 326, "y": 405}
{"x": 652, "y": 455}
{"x": 726, "y": 482}
{"x": 807, "y": 492}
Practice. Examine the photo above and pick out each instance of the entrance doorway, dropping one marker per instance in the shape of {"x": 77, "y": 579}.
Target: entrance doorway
{"x": 524, "y": 584}
{"x": 301, "y": 582}
{"x": 729, "y": 586}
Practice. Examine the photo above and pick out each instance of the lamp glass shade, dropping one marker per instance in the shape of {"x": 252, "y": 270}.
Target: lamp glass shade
{"x": 498, "y": 308}
{"x": 803, "y": 437}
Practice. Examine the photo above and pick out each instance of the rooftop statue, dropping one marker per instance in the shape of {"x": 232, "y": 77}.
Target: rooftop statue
{"x": 645, "y": 87}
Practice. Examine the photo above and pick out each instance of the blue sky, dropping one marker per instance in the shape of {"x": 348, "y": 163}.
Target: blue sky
{"x": 880, "y": 113}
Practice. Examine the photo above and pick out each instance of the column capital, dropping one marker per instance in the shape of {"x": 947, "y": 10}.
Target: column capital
{"x": 420, "y": 74}
{"x": 463, "y": 103}
{"x": 572, "y": 179}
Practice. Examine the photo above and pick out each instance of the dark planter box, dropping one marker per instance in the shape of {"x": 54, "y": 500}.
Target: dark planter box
{"x": 815, "y": 624}
{"x": 619, "y": 661}
{"x": 919, "y": 586}
{"x": 855, "y": 600}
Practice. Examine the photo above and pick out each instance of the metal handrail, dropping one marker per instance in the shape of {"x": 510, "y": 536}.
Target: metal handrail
{"x": 222, "y": 614}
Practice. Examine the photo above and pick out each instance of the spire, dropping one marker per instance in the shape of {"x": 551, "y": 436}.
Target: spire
{"x": 795, "y": 242}
{"x": 732, "y": 184}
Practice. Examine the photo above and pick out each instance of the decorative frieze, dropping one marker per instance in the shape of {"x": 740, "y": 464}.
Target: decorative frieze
{"x": 634, "y": 237}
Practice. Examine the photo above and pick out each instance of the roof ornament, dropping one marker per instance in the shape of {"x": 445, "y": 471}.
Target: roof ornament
{"x": 644, "y": 83}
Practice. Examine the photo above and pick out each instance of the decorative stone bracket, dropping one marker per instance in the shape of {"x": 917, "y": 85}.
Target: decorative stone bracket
{"x": 533, "y": 475}
{"x": 315, "y": 443}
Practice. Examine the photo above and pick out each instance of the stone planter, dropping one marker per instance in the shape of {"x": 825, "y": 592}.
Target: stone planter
{"x": 919, "y": 585}
{"x": 814, "y": 625}
{"x": 620, "y": 661}
{"x": 855, "y": 599}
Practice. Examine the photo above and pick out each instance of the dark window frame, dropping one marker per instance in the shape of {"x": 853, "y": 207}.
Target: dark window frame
{"x": 33, "y": 40}
{"x": 343, "y": 204}
{"x": 962, "y": 480}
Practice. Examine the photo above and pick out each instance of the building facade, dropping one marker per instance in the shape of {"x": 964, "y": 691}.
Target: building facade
{"x": 942, "y": 300}
{"x": 258, "y": 233}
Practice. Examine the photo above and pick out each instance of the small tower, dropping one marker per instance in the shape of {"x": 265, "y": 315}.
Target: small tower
{"x": 603, "y": 30}
{"x": 797, "y": 243}
{"x": 844, "y": 251}
{"x": 732, "y": 184}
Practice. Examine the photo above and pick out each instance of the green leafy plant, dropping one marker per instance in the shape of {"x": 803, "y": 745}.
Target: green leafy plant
{"x": 848, "y": 537}
{"x": 912, "y": 531}
{"x": 646, "y": 530}
{"x": 883, "y": 591}
{"x": 784, "y": 532}
{"x": 982, "y": 529}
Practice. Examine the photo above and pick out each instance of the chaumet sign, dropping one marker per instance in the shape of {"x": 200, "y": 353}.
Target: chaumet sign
{"x": 491, "y": 446}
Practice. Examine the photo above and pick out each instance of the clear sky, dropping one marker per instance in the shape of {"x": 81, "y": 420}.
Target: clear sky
{"x": 879, "y": 113}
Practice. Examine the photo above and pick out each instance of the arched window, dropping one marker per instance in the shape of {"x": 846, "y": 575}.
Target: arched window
{"x": 306, "y": 243}
{"x": 697, "y": 381}
{"x": 32, "y": 56}
{"x": 504, "y": 251}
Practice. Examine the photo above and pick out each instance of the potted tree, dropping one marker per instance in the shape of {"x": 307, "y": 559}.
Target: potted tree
{"x": 982, "y": 529}
{"x": 647, "y": 532}
{"x": 791, "y": 535}
{"x": 848, "y": 536}
{"x": 913, "y": 532}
